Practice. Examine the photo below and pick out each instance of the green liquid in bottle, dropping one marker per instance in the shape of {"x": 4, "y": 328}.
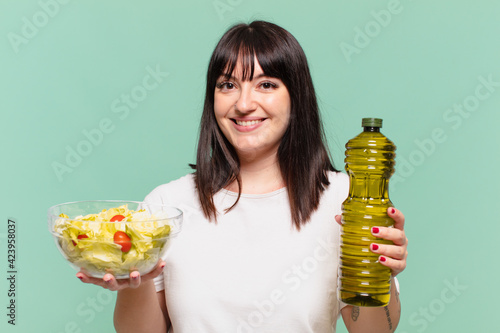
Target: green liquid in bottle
{"x": 363, "y": 281}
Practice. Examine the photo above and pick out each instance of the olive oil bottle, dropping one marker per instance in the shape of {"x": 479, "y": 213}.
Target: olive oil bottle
{"x": 363, "y": 281}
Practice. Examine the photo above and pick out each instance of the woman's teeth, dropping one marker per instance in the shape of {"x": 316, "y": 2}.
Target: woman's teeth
{"x": 248, "y": 123}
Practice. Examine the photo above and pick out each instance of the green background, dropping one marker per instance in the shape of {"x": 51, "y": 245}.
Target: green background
{"x": 65, "y": 66}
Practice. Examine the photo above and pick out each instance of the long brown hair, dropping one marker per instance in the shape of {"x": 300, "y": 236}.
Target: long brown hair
{"x": 302, "y": 155}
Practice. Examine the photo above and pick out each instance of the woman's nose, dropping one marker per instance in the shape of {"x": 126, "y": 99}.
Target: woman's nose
{"x": 246, "y": 100}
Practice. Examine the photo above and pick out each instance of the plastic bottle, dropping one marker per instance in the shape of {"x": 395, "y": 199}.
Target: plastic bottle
{"x": 363, "y": 281}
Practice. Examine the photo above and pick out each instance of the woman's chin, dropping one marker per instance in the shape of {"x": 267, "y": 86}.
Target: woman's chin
{"x": 253, "y": 153}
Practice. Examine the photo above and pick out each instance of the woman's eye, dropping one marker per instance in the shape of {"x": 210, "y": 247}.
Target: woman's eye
{"x": 225, "y": 85}
{"x": 268, "y": 85}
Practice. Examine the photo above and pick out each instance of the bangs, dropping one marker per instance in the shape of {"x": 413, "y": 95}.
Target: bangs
{"x": 245, "y": 55}
{"x": 243, "y": 47}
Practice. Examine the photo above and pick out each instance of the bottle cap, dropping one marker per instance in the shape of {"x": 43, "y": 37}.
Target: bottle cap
{"x": 371, "y": 122}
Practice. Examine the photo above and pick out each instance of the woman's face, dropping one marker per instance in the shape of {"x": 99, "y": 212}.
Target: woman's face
{"x": 253, "y": 115}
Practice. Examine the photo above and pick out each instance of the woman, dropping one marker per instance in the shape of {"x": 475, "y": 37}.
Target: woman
{"x": 259, "y": 247}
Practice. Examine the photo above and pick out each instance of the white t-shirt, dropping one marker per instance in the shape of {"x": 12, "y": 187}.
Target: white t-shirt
{"x": 252, "y": 271}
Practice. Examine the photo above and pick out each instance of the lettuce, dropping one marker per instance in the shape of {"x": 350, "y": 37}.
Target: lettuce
{"x": 97, "y": 253}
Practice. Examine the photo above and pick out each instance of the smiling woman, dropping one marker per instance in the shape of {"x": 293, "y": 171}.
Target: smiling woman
{"x": 259, "y": 249}
{"x": 259, "y": 72}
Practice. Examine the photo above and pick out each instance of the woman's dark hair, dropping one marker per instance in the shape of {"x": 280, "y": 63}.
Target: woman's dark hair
{"x": 302, "y": 155}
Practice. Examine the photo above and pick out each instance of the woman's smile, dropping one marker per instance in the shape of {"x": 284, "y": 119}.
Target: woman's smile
{"x": 248, "y": 125}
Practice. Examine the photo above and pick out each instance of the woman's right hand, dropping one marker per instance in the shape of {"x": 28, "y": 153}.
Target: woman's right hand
{"x": 108, "y": 281}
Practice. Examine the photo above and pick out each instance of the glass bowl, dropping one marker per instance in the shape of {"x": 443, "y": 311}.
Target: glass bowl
{"x": 113, "y": 236}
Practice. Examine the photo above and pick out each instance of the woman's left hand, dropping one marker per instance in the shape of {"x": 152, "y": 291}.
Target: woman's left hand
{"x": 392, "y": 256}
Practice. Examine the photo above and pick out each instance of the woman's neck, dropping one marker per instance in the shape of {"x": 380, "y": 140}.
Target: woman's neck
{"x": 259, "y": 175}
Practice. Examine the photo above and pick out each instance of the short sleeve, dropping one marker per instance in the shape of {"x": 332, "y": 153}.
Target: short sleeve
{"x": 396, "y": 283}
{"x": 159, "y": 282}
{"x": 175, "y": 193}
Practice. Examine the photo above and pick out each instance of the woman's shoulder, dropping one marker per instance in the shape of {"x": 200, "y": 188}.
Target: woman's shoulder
{"x": 339, "y": 184}
{"x": 175, "y": 190}
{"x": 338, "y": 178}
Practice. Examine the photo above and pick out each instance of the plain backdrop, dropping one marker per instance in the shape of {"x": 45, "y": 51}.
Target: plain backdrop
{"x": 102, "y": 100}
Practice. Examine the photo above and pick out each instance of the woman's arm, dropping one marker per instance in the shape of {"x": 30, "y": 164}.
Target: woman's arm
{"x": 365, "y": 319}
{"x": 163, "y": 306}
{"x": 384, "y": 319}
{"x": 139, "y": 308}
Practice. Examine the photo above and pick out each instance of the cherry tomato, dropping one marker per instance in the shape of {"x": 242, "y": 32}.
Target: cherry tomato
{"x": 117, "y": 218}
{"x": 80, "y": 237}
{"x": 122, "y": 239}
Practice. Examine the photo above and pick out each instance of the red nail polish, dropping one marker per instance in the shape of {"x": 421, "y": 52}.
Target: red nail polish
{"x": 393, "y": 210}
{"x": 382, "y": 259}
{"x": 374, "y": 247}
{"x": 375, "y": 230}
{"x": 81, "y": 278}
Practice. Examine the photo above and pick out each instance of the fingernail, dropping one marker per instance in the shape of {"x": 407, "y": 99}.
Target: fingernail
{"x": 106, "y": 279}
{"x": 374, "y": 247}
{"x": 80, "y": 277}
{"x": 382, "y": 259}
{"x": 393, "y": 210}
{"x": 162, "y": 265}
{"x": 375, "y": 230}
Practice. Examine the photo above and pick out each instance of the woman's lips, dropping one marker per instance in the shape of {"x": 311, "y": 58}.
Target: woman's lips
{"x": 247, "y": 125}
